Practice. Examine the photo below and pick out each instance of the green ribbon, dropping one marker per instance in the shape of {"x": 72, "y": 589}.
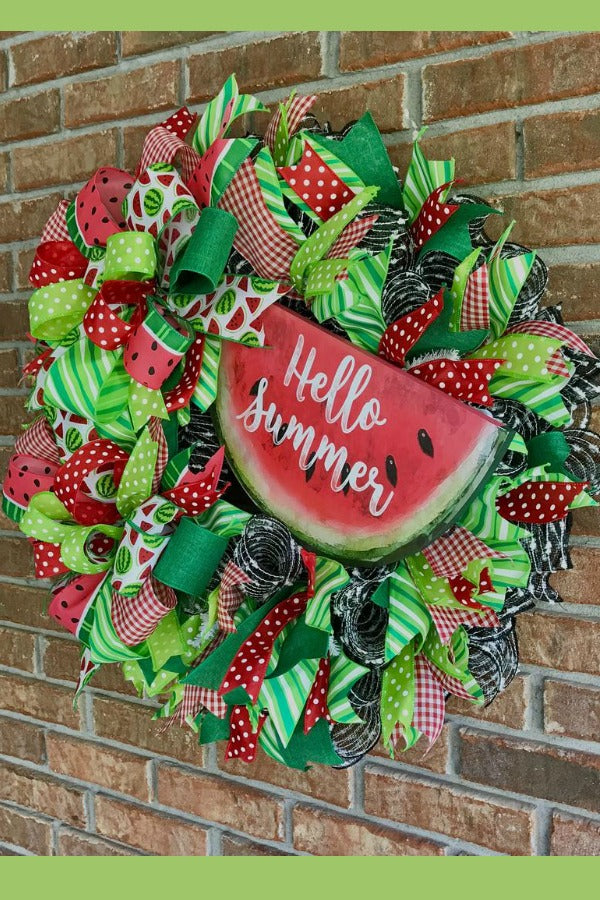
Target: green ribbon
{"x": 199, "y": 268}
{"x": 524, "y": 355}
{"x": 398, "y": 694}
{"x": 46, "y": 519}
{"x": 190, "y": 558}
{"x": 54, "y": 310}
{"x": 136, "y": 482}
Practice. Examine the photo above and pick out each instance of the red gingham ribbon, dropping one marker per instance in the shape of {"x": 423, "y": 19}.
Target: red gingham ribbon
{"x": 230, "y": 595}
{"x": 428, "y": 714}
{"x": 552, "y": 330}
{"x": 135, "y": 618}
{"x": 259, "y": 238}
{"x": 448, "y": 620}
{"x": 351, "y": 236}
{"x": 475, "y": 309}
{"x": 55, "y": 228}
{"x": 163, "y": 144}
{"x": 38, "y": 440}
{"x": 297, "y": 109}
{"x": 451, "y": 553}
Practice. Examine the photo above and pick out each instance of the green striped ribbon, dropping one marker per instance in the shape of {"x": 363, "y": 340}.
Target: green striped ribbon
{"x": 344, "y": 673}
{"x": 330, "y": 576}
{"x": 544, "y": 398}
{"x": 224, "y": 519}
{"x": 408, "y": 619}
{"x": 506, "y": 278}
{"x": 54, "y": 310}
{"x": 74, "y": 383}
{"x": 231, "y": 157}
{"x": 102, "y": 640}
{"x": 285, "y": 696}
{"x": 130, "y": 256}
{"x": 459, "y": 285}
{"x": 272, "y": 192}
{"x": 423, "y": 177}
{"x": 226, "y": 107}
{"x": 453, "y": 660}
{"x": 206, "y": 388}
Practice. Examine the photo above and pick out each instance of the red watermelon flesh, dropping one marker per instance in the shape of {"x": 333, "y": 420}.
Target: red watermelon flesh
{"x": 369, "y": 463}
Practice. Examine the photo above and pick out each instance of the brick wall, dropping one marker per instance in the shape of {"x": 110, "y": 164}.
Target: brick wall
{"x": 521, "y": 113}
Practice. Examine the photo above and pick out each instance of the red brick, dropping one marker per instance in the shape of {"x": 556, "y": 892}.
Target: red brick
{"x": 17, "y": 649}
{"x": 132, "y": 723}
{"x": 14, "y": 321}
{"x": 24, "y": 606}
{"x": 30, "y": 116}
{"x": 106, "y": 766}
{"x": 77, "y": 843}
{"x": 150, "y": 831}
{"x": 384, "y": 99}
{"x": 483, "y": 155}
{"x": 580, "y": 584}
{"x": 571, "y": 836}
{"x": 62, "y": 661}
{"x": 325, "y": 834}
{"x": 38, "y": 699}
{"x": 575, "y": 287}
{"x": 134, "y": 43}
{"x": 122, "y": 94}
{"x": 6, "y": 269}
{"x": 63, "y": 162}
{"x": 57, "y": 55}
{"x": 24, "y": 261}
{"x": 24, "y": 219}
{"x": 22, "y": 740}
{"x": 573, "y": 710}
{"x": 322, "y": 782}
{"x": 10, "y": 372}
{"x": 258, "y": 66}
{"x": 363, "y": 49}
{"x": 550, "y": 218}
{"x": 566, "y": 67}
{"x": 4, "y": 158}
{"x": 586, "y": 521}
{"x": 434, "y": 759}
{"x": 235, "y": 846}
{"x": 17, "y": 558}
{"x": 549, "y": 773}
{"x": 26, "y": 787}
{"x": 33, "y": 833}
{"x": 566, "y": 142}
{"x": 502, "y": 826}
{"x": 509, "y": 708}
{"x": 559, "y": 642}
{"x": 217, "y": 800}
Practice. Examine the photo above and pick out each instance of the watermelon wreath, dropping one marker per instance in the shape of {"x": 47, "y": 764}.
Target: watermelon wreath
{"x": 305, "y": 442}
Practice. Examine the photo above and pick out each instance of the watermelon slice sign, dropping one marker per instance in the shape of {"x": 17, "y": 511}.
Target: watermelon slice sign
{"x": 362, "y": 461}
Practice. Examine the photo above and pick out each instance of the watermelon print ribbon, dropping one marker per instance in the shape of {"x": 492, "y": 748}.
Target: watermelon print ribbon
{"x": 122, "y": 485}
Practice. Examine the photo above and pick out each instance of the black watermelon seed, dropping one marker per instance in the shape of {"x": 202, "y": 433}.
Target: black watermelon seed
{"x": 127, "y": 185}
{"x": 113, "y": 200}
{"x": 134, "y": 356}
{"x": 105, "y": 180}
{"x": 345, "y": 473}
{"x": 105, "y": 220}
{"x": 74, "y": 620}
{"x": 170, "y": 362}
{"x": 86, "y": 225}
{"x": 64, "y": 603}
{"x": 153, "y": 345}
{"x": 79, "y": 587}
{"x": 11, "y": 491}
{"x": 26, "y": 497}
{"x": 47, "y": 470}
{"x": 25, "y": 468}
{"x": 151, "y": 370}
{"x": 277, "y": 438}
{"x": 425, "y": 442}
{"x": 312, "y": 464}
{"x": 93, "y": 210}
{"x": 391, "y": 470}
{"x": 36, "y": 481}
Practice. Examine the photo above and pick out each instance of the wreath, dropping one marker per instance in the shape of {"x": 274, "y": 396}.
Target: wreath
{"x": 305, "y": 442}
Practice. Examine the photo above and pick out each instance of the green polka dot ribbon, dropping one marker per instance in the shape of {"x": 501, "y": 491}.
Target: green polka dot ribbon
{"x": 46, "y": 519}
{"x": 524, "y": 355}
{"x": 398, "y": 693}
{"x": 136, "y": 482}
{"x": 54, "y": 310}
{"x": 130, "y": 256}
{"x": 318, "y": 244}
